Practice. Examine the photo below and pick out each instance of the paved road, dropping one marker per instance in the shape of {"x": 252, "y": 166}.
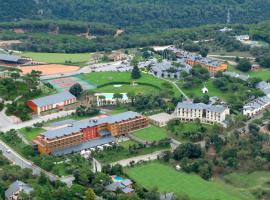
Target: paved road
{"x": 37, "y": 120}
{"x": 4, "y": 119}
{"x": 147, "y": 157}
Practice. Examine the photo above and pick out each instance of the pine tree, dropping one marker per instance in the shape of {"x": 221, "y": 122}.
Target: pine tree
{"x": 135, "y": 74}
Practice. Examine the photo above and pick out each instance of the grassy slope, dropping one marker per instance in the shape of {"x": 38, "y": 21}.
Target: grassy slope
{"x": 58, "y": 57}
{"x": 100, "y": 78}
{"x": 30, "y": 135}
{"x": 169, "y": 180}
{"x": 151, "y": 133}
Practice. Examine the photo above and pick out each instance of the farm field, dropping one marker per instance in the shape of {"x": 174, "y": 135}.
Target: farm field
{"x": 59, "y": 58}
{"x": 31, "y": 134}
{"x": 151, "y": 133}
{"x": 168, "y": 180}
{"x": 105, "y": 81}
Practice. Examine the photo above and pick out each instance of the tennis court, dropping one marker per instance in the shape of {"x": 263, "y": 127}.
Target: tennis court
{"x": 64, "y": 84}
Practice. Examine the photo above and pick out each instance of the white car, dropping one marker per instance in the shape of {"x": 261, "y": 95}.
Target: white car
{"x": 8, "y": 150}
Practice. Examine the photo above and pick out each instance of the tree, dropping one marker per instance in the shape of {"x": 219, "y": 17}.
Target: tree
{"x": 76, "y": 89}
{"x": 131, "y": 95}
{"x": 135, "y": 73}
{"x": 204, "y": 52}
{"x": 90, "y": 194}
{"x": 244, "y": 65}
{"x": 117, "y": 96}
{"x": 188, "y": 150}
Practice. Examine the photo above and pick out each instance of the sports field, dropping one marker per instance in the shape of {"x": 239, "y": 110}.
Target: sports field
{"x": 151, "y": 133}
{"x": 60, "y": 58}
{"x": 169, "y": 180}
{"x": 107, "y": 81}
{"x": 49, "y": 69}
{"x": 64, "y": 84}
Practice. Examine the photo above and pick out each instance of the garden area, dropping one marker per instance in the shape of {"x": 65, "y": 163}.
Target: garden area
{"x": 191, "y": 131}
{"x": 121, "y": 82}
{"x": 182, "y": 184}
{"x": 151, "y": 134}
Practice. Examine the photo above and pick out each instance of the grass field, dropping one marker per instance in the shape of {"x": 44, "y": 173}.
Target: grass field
{"x": 151, "y": 133}
{"x": 59, "y": 58}
{"x": 168, "y": 180}
{"x": 213, "y": 91}
{"x": 30, "y": 135}
{"x": 101, "y": 78}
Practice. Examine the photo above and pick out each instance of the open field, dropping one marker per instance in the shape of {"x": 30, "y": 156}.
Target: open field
{"x": 105, "y": 82}
{"x": 168, "y": 180}
{"x": 30, "y": 135}
{"x": 50, "y": 69}
{"x": 59, "y": 58}
{"x": 213, "y": 91}
{"x": 151, "y": 133}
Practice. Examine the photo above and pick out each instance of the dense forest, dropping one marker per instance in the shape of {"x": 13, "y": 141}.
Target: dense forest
{"x": 138, "y": 15}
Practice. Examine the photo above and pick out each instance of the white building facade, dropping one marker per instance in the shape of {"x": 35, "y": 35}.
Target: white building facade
{"x": 256, "y": 106}
{"x": 188, "y": 111}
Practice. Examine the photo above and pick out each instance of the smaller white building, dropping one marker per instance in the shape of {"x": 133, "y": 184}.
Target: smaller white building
{"x": 256, "y": 106}
{"x": 103, "y": 99}
{"x": 188, "y": 111}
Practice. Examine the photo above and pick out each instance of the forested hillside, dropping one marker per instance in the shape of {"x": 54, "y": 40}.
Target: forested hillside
{"x": 139, "y": 15}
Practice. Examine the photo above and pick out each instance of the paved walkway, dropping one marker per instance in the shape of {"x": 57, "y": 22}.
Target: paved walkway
{"x": 177, "y": 87}
{"x": 147, "y": 157}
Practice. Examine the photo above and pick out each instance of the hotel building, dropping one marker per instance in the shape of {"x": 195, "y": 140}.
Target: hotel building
{"x": 188, "y": 111}
{"x": 88, "y": 133}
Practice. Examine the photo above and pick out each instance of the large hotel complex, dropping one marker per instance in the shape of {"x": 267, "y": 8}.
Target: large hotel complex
{"x": 88, "y": 133}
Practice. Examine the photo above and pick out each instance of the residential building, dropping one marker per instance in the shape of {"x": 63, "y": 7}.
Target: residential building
{"x": 103, "y": 99}
{"x": 86, "y": 134}
{"x": 160, "y": 119}
{"x": 264, "y": 87}
{"x": 116, "y": 56}
{"x": 166, "y": 69}
{"x": 12, "y": 193}
{"x": 212, "y": 65}
{"x": 256, "y": 106}
{"x": 55, "y": 101}
{"x": 124, "y": 185}
{"x": 188, "y": 111}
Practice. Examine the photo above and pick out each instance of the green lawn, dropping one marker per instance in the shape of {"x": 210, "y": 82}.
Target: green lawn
{"x": 151, "y": 133}
{"x": 30, "y": 135}
{"x": 60, "y": 58}
{"x": 127, "y": 143}
{"x": 197, "y": 91}
{"x": 168, "y": 180}
{"x": 146, "y": 84}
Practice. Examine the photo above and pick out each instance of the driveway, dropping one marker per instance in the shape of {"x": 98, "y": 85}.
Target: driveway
{"x": 4, "y": 120}
{"x": 147, "y": 157}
